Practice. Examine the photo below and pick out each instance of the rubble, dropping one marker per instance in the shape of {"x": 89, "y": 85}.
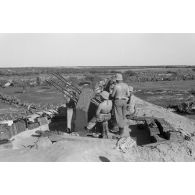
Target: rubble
{"x": 125, "y": 144}
{"x": 9, "y": 128}
{"x": 187, "y": 107}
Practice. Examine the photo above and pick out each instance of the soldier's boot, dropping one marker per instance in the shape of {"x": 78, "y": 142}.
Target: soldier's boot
{"x": 121, "y": 131}
{"x": 69, "y": 130}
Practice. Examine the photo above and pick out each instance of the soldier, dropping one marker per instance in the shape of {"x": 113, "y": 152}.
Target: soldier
{"x": 103, "y": 111}
{"x": 110, "y": 85}
{"x": 120, "y": 95}
{"x": 130, "y": 103}
{"x": 70, "y": 105}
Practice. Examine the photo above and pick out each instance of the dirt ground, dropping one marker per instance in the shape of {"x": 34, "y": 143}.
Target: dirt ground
{"x": 64, "y": 147}
{"x": 26, "y": 146}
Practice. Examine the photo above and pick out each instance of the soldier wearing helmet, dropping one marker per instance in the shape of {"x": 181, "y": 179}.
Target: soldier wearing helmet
{"x": 103, "y": 111}
{"x": 120, "y": 95}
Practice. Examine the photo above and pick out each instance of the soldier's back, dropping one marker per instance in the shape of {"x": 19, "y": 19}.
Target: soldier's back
{"x": 121, "y": 90}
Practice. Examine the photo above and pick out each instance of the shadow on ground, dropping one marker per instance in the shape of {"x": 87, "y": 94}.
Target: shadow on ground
{"x": 58, "y": 122}
{"x": 79, "y": 121}
{"x": 140, "y": 134}
{"x": 104, "y": 159}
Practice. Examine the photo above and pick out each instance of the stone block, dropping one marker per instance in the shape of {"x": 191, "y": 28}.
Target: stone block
{"x": 43, "y": 121}
{"x": 33, "y": 125}
{"x": 5, "y": 132}
{"x": 20, "y": 125}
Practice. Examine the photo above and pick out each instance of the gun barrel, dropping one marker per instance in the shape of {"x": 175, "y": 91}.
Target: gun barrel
{"x": 62, "y": 90}
{"x": 67, "y": 91}
{"x": 66, "y": 82}
{"x": 64, "y": 87}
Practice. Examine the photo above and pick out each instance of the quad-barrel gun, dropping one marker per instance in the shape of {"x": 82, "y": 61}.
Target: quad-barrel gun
{"x": 59, "y": 82}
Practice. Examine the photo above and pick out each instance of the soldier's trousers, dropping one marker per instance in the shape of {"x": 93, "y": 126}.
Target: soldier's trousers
{"x": 100, "y": 118}
{"x": 69, "y": 117}
{"x": 120, "y": 109}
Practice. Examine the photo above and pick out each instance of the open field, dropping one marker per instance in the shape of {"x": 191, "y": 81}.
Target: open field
{"x": 44, "y": 95}
{"x": 163, "y": 85}
{"x": 165, "y": 93}
{"x": 162, "y": 93}
{"x": 37, "y": 95}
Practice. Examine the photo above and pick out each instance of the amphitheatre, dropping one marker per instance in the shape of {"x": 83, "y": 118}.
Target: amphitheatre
{"x": 37, "y": 117}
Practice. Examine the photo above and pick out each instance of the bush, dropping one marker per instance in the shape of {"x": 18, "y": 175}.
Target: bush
{"x": 192, "y": 91}
{"x": 129, "y": 73}
{"x": 113, "y": 71}
{"x": 93, "y": 79}
{"x": 74, "y": 80}
{"x": 172, "y": 72}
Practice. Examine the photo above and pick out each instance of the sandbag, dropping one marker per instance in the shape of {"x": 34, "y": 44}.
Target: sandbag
{"x": 33, "y": 125}
{"x": 13, "y": 129}
{"x": 43, "y": 121}
{"x": 5, "y": 132}
{"x": 20, "y": 125}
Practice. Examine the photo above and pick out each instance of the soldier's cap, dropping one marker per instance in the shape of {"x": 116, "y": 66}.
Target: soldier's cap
{"x": 105, "y": 95}
{"x": 119, "y": 77}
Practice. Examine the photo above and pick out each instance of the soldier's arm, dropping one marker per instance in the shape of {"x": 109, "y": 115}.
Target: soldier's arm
{"x": 128, "y": 95}
{"x": 114, "y": 92}
{"x": 128, "y": 92}
{"x": 129, "y": 100}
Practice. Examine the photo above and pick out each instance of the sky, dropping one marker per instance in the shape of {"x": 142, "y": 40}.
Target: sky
{"x": 109, "y": 49}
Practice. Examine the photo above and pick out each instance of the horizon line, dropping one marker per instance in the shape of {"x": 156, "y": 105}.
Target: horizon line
{"x": 69, "y": 66}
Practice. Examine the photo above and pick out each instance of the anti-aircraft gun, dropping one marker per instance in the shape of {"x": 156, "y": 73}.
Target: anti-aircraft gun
{"x": 64, "y": 86}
